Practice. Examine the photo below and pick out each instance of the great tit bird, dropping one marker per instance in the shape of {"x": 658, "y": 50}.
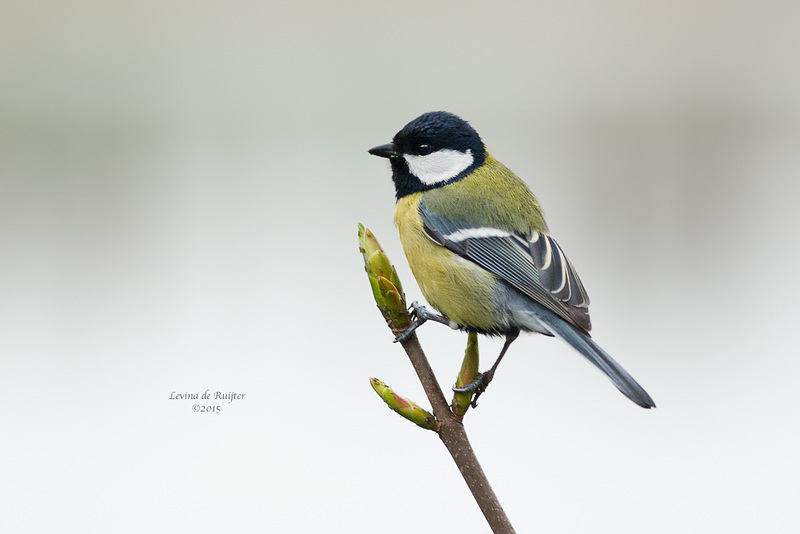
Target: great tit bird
{"x": 477, "y": 242}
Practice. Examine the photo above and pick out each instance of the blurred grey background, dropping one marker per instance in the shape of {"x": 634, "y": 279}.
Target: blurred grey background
{"x": 180, "y": 184}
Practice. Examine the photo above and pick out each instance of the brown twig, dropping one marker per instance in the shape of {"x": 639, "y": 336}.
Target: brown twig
{"x": 451, "y": 432}
{"x": 388, "y": 293}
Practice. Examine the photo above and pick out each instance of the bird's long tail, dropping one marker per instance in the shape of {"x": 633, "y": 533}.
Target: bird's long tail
{"x": 590, "y": 350}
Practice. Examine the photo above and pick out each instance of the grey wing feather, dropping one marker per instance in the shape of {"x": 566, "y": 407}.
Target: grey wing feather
{"x": 556, "y": 271}
{"x": 534, "y": 264}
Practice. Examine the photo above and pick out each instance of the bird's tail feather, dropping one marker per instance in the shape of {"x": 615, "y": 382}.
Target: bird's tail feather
{"x": 592, "y": 352}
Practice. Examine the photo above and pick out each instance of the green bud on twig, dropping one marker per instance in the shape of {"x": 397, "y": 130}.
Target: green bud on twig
{"x": 468, "y": 373}
{"x": 408, "y": 409}
{"x": 386, "y": 287}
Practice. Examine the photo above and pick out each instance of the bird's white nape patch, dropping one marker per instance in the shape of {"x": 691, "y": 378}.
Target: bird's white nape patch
{"x": 476, "y": 233}
{"x": 439, "y": 166}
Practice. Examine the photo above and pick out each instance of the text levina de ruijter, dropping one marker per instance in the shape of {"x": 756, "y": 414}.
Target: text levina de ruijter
{"x": 209, "y": 401}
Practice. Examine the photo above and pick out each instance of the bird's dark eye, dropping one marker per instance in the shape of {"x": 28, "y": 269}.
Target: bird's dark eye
{"x": 424, "y": 149}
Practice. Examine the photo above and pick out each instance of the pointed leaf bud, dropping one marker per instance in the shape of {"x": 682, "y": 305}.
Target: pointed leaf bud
{"x": 468, "y": 373}
{"x": 408, "y": 409}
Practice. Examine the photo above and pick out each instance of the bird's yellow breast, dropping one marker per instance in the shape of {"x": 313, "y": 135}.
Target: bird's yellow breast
{"x": 457, "y": 287}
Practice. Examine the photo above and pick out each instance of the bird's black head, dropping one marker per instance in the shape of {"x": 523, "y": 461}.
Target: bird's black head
{"x": 433, "y": 150}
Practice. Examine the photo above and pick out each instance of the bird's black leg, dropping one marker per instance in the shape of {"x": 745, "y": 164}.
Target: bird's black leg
{"x": 481, "y": 382}
{"x": 421, "y": 314}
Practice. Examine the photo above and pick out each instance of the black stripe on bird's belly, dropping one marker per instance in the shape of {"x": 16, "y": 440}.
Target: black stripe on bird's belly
{"x": 497, "y": 332}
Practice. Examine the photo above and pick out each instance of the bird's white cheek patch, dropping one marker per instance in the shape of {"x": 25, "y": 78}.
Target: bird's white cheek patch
{"x": 439, "y": 166}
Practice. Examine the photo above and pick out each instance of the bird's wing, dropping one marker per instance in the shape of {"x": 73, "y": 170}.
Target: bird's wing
{"x": 534, "y": 263}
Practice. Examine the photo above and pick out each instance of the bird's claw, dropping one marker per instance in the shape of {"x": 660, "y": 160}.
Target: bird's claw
{"x": 421, "y": 312}
{"x": 408, "y": 332}
{"x": 477, "y": 386}
{"x": 420, "y": 315}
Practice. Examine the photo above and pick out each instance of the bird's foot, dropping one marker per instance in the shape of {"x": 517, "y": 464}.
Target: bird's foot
{"x": 477, "y": 386}
{"x": 420, "y": 315}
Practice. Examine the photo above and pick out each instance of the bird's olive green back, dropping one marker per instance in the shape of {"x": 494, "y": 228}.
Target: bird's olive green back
{"x": 491, "y": 196}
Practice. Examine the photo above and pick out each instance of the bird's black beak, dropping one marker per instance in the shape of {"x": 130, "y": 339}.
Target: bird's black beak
{"x": 384, "y": 151}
